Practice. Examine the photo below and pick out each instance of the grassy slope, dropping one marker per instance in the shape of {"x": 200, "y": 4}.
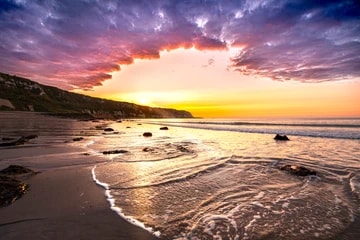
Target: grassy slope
{"x": 24, "y": 92}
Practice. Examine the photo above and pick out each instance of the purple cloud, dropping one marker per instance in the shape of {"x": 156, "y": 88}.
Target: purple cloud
{"x": 314, "y": 44}
{"x": 76, "y": 44}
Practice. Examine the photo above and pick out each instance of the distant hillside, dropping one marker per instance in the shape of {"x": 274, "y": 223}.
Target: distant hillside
{"x": 20, "y": 94}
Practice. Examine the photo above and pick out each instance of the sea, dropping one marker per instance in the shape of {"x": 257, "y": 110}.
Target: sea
{"x": 211, "y": 178}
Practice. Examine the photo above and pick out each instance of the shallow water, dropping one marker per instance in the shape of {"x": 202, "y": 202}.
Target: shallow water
{"x": 193, "y": 183}
{"x": 221, "y": 180}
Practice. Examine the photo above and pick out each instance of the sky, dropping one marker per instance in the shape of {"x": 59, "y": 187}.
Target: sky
{"x": 251, "y": 58}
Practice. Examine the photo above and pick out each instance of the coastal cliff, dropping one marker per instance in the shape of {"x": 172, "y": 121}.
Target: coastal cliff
{"x": 20, "y": 94}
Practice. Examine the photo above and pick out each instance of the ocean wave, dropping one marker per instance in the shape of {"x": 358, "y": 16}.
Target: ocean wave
{"x": 110, "y": 198}
{"x": 321, "y": 130}
{"x": 180, "y": 175}
{"x": 325, "y": 125}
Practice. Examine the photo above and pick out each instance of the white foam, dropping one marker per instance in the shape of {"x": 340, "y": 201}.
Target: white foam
{"x": 260, "y": 195}
{"x": 210, "y": 219}
{"x": 256, "y": 203}
{"x": 337, "y": 200}
{"x": 89, "y": 143}
{"x": 250, "y": 224}
{"x": 278, "y": 212}
{"x": 355, "y": 185}
{"x": 209, "y": 227}
{"x": 285, "y": 205}
{"x": 214, "y": 217}
{"x": 118, "y": 210}
{"x": 88, "y": 146}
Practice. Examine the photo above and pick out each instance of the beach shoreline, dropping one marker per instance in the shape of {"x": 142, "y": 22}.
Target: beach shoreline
{"x": 65, "y": 203}
{"x": 63, "y": 200}
{"x": 193, "y": 180}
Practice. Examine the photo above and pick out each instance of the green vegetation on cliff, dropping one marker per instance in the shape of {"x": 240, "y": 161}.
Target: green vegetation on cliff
{"x": 22, "y": 94}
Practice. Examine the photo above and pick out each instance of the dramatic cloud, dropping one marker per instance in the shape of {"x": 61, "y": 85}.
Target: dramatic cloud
{"x": 76, "y": 44}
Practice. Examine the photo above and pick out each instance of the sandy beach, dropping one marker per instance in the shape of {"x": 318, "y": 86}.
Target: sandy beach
{"x": 65, "y": 203}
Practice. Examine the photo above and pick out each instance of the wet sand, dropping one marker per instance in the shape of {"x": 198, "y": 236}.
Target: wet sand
{"x": 65, "y": 203}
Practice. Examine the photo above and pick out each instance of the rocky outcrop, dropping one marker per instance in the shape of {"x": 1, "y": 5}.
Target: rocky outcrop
{"x": 11, "y": 188}
{"x": 147, "y": 134}
{"x": 16, "y": 170}
{"x": 281, "y": 137}
{"x": 164, "y": 128}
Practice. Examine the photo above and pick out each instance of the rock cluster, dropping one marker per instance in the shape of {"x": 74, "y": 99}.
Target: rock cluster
{"x": 281, "y": 137}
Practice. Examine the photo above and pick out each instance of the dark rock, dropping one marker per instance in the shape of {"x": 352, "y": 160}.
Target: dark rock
{"x": 30, "y": 137}
{"x": 16, "y": 170}
{"x": 119, "y": 121}
{"x": 11, "y": 189}
{"x": 78, "y": 139}
{"x": 139, "y": 124}
{"x": 164, "y": 128}
{"x": 297, "y": 170}
{"x": 13, "y": 143}
{"x": 281, "y": 137}
{"x": 108, "y": 130}
{"x": 147, "y": 134}
{"x": 19, "y": 141}
{"x": 128, "y": 127}
{"x": 7, "y": 139}
{"x": 114, "y": 152}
